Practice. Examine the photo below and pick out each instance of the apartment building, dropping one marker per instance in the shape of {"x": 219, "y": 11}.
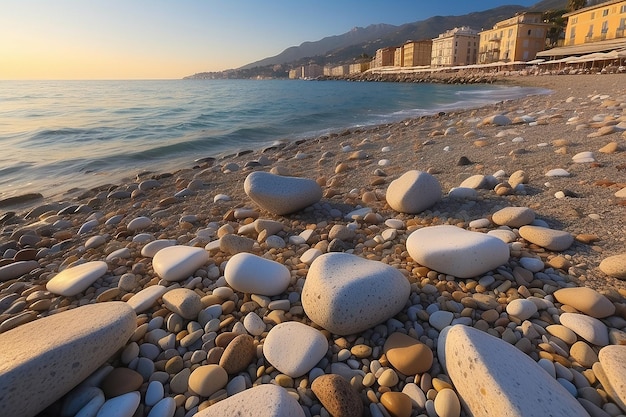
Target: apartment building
{"x": 384, "y": 57}
{"x": 340, "y": 70}
{"x": 458, "y": 46}
{"x": 359, "y": 67}
{"x": 518, "y": 38}
{"x": 398, "y": 57}
{"x": 417, "y": 53}
{"x": 596, "y": 23}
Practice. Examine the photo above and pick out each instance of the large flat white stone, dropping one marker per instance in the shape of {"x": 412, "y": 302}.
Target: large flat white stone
{"x": 176, "y": 263}
{"x": 266, "y": 400}
{"x": 74, "y": 280}
{"x": 589, "y": 328}
{"x": 253, "y": 274}
{"x": 346, "y": 294}
{"x": 613, "y": 375}
{"x": 42, "y": 360}
{"x": 294, "y": 348}
{"x": 494, "y": 378}
{"x": 146, "y": 298}
{"x": 455, "y": 251}
{"x": 280, "y": 194}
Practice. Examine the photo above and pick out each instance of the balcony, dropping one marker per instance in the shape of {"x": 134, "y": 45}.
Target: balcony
{"x": 619, "y": 33}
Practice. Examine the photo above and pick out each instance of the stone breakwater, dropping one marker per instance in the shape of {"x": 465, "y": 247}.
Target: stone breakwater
{"x": 468, "y": 264}
{"x": 460, "y": 77}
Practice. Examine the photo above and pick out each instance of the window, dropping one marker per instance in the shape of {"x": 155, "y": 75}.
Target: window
{"x": 593, "y": 15}
{"x": 605, "y": 26}
{"x": 574, "y": 20}
{"x": 572, "y": 34}
{"x": 529, "y": 31}
{"x": 622, "y": 9}
{"x": 510, "y": 32}
{"x": 605, "y": 12}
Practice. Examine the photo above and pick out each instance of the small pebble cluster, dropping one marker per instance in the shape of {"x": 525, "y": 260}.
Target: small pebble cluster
{"x": 279, "y": 284}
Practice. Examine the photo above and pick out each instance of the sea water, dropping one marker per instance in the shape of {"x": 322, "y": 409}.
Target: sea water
{"x": 61, "y": 135}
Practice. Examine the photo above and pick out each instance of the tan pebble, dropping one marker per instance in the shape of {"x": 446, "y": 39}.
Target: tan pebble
{"x": 447, "y": 403}
{"x": 586, "y": 300}
{"x": 41, "y": 305}
{"x": 610, "y": 147}
{"x": 563, "y": 333}
{"x": 238, "y": 354}
{"x": 398, "y": 404}
{"x": 121, "y": 381}
{"x": 369, "y": 197}
{"x": 582, "y": 353}
{"x": 223, "y": 339}
{"x": 480, "y": 143}
{"x": 208, "y": 379}
{"x": 587, "y": 238}
{"x": 342, "y": 167}
{"x": 561, "y": 151}
{"x": 369, "y": 379}
{"x": 167, "y": 201}
{"x": 407, "y": 355}
{"x": 361, "y": 351}
{"x": 377, "y": 181}
{"x": 560, "y": 142}
{"x": 174, "y": 365}
{"x": 284, "y": 381}
{"x": 559, "y": 262}
{"x": 439, "y": 384}
{"x": 388, "y": 378}
{"x": 337, "y": 396}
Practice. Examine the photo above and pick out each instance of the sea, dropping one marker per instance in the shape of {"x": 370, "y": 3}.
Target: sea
{"x": 57, "y": 136}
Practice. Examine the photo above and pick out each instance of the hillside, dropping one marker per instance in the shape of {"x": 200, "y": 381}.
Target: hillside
{"x": 363, "y": 42}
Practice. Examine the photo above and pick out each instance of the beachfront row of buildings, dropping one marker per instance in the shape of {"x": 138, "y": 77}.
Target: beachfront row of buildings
{"x": 521, "y": 38}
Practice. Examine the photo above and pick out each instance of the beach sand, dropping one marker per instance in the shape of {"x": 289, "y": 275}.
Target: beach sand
{"x": 354, "y": 169}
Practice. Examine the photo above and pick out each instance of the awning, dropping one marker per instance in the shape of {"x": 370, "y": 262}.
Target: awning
{"x": 587, "y": 48}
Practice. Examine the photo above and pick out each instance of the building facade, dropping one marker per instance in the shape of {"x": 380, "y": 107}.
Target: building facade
{"x": 398, "y": 57}
{"x": 596, "y": 23}
{"x": 385, "y": 57}
{"x": 518, "y": 38}
{"x": 417, "y": 53}
{"x": 458, "y": 46}
{"x": 359, "y": 67}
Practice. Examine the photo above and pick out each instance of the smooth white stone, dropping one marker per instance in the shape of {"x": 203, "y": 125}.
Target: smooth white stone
{"x": 42, "y": 360}
{"x": 589, "y": 328}
{"x": 146, "y": 298}
{"x": 556, "y": 240}
{"x": 521, "y": 308}
{"x": 294, "y": 348}
{"x": 279, "y": 194}
{"x": 254, "y": 324}
{"x": 494, "y": 378}
{"x": 87, "y": 227}
{"x": 121, "y": 253}
{"x": 221, "y": 197}
{"x": 253, "y": 274}
{"x": 176, "y": 263}
{"x": 413, "y": 192}
{"x": 346, "y": 294}
{"x": 236, "y": 385}
{"x": 557, "y": 172}
{"x": 613, "y": 364}
{"x": 309, "y": 256}
{"x": 532, "y": 264}
{"x": 151, "y": 249}
{"x": 17, "y": 269}
{"x": 462, "y": 193}
{"x": 139, "y": 223}
{"x": 261, "y": 400}
{"x": 479, "y": 224}
{"x": 455, "y": 251}
{"x": 143, "y": 238}
{"x": 95, "y": 241}
{"x": 395, "y": 224}
{"x": 358, "y": 213}
{"x": 415, "y": 393}
{"x": 506, "y": 236}
{"x": 74, "y": 280}
{"x": 583, "y": 157}
{"x": 124, "y": 405}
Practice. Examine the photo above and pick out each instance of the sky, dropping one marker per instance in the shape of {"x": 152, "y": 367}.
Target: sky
{"x": 169, "y": 39}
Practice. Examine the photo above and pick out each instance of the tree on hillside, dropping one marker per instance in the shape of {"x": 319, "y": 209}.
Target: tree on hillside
{"x": 576, "y": 4}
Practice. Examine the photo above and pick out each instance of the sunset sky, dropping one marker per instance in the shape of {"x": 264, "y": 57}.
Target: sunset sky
{"x": 161, "y": 39}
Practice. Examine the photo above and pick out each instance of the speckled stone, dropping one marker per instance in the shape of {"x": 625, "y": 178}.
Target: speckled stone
{"x": 346, "y": 294}
{"x": 494, "y": 378}
{"x": 337, "y": 396}
{"x": 63, "y": 349}
{"x": 612, "y": 373}
{"x": 238, "y": 354}
{"x": 614, "y": 266}
{"x": 184, "y": 302}
{"x": 265, "y": 400}
{"x": 586, "y": 300}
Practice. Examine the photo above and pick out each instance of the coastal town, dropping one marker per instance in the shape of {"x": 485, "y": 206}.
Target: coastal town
{"x": 594, "y": 34}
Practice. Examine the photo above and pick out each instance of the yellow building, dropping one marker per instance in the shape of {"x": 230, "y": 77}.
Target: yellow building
{"x": 596, "y": 23}
{"x": 518, "y": 38}
{"x": 417, "y": 53}
{"x": 458, "y": 46}
{"x": 398, "y": 58}
{"x": 359, "y": 67}
{"x": 385, "y": 57}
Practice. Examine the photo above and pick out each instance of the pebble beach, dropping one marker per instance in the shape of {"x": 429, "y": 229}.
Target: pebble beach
{"x": 470, "y": 263}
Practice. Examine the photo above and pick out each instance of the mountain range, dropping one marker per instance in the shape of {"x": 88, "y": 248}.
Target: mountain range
{"x": 362, "y": 43}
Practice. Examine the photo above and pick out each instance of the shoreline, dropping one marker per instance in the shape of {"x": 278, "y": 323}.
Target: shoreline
{"x": 198, "y": 205}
